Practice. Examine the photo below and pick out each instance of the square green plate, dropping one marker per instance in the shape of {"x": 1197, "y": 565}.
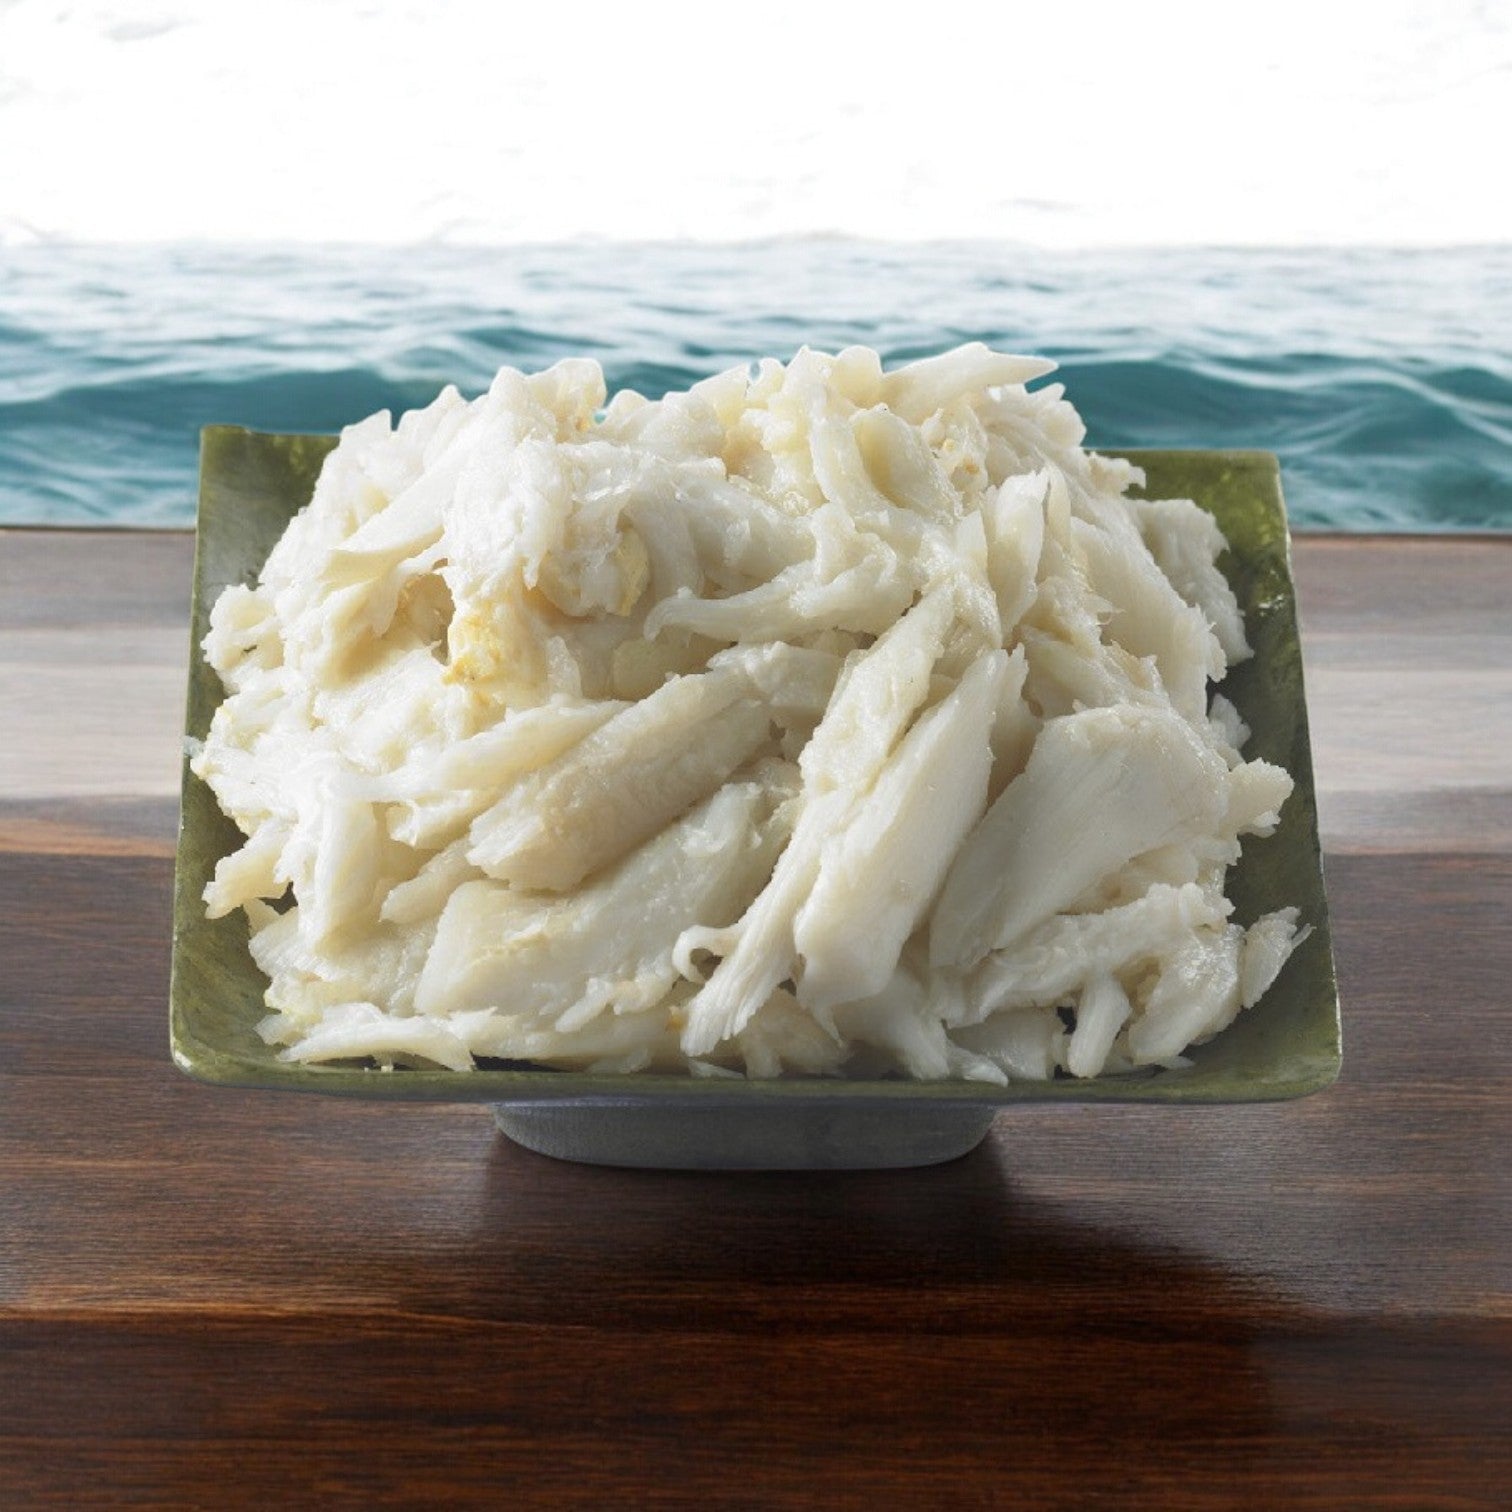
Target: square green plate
{"x": 1287, "y": 1046}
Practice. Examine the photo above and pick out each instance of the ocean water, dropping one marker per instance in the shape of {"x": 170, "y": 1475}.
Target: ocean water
{"x": 1382, "y": 378}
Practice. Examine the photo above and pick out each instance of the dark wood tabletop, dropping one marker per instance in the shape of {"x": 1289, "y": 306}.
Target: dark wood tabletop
{"x": 214, "y": 1298}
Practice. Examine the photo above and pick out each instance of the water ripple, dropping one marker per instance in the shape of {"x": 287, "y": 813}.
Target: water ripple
{"x": 1383, "y": 379}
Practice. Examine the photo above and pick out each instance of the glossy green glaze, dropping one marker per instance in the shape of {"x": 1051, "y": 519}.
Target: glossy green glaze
{"x": 250, "y": 485}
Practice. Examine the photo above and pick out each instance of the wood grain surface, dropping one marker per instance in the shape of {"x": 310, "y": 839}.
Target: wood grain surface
{"x": 213, "y": 1298}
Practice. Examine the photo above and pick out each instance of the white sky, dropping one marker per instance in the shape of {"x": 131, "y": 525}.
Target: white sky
{"x": 1063, "y": 123}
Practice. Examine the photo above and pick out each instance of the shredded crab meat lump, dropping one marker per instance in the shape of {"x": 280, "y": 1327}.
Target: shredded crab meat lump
{"x": 818, "y": 721}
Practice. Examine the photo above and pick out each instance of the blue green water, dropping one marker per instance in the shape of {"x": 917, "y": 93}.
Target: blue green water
{"x": 1382, "y": 378}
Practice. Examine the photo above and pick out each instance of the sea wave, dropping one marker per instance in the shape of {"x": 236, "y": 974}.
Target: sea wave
{"x": 1382, "y": 378}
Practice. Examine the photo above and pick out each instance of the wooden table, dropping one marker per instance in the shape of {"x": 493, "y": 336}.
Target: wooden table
{"x": 212, "y": 1298}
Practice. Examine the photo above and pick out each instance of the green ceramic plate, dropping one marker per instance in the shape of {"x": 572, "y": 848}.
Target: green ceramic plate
{"x": 1287, "y": 1046}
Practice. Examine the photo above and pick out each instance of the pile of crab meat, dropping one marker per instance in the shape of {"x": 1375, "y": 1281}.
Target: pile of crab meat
{"x": 818, "y": 720}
